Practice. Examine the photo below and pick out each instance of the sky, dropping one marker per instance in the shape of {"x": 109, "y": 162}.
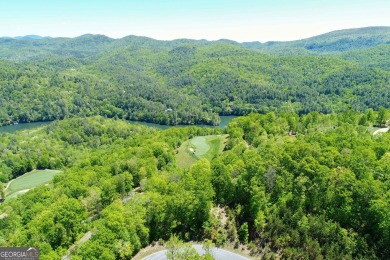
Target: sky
{"x": 239, "y": 20}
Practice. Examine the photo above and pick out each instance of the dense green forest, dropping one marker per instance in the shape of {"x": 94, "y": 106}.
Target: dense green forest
{"x": 190, "y": 82}
{"x": 301, "y": 174}
{"x": 322, "y": 192}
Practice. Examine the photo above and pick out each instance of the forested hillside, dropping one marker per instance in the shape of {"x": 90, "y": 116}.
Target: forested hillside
{"x": 300, "y": 175}
{"x": 375, "y": 57}
{"x": 328, "y": 43}
{"x": 321, "y": 191}
{"x": 187, "y": 81}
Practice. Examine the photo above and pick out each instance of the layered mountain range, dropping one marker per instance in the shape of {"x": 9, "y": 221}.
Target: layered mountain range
{"x": 191, "y": 81}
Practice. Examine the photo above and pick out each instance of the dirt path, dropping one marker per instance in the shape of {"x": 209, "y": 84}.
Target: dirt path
{"x": 81, "y": 241}
{"x": 6, "y": 187}
{"x": 16, "y": 193}
{"x": 382, "y": 130}
{"x": 89, "y": 234}
{"x": 130, "y": 196}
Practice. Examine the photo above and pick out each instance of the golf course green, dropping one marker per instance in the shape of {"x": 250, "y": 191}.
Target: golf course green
{"x": 200, "y": 147}
{"x": 28, "y": 181}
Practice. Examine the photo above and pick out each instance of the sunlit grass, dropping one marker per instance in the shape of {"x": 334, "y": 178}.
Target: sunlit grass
{"x": 29, "y": 181}
{"x": 200, "y": 147}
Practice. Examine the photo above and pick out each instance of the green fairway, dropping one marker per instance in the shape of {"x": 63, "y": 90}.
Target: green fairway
{"x": 28, "y": 181}
{"x": 200, "y": 147}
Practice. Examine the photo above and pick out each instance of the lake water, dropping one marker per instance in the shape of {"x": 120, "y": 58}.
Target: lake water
{"x": 19, "y": 127}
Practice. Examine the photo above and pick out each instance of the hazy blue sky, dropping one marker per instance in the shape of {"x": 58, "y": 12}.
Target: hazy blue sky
{"x": 240, "y": 20}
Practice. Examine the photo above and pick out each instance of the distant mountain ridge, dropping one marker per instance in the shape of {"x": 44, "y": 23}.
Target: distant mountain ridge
{"x": 140, "y": 78}
{"x": 331, "y": 42}
{"x": 33, "y": 37}
{"x": 33, "y": 47}
{"x": 335, "y": 41}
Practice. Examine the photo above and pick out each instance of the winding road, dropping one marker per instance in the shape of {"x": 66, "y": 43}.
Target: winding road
{"x": 218, "y": 254}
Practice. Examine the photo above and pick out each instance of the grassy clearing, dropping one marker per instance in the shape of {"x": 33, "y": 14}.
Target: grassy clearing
{"x": 28, "y": 181}
{"x": 200, "y": 147}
